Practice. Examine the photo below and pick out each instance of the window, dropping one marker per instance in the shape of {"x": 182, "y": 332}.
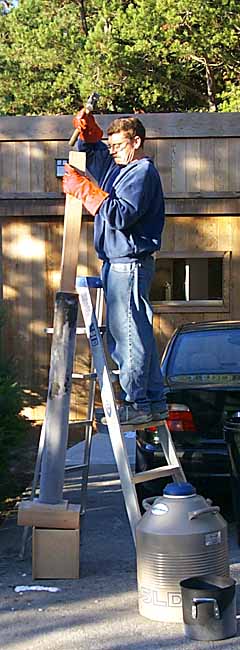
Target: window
{"x": 59, "y": 166}
{"x": 186, "y": 280}
{"x": 210, "y": 351}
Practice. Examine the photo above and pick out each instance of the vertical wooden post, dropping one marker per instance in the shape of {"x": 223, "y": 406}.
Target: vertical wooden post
{"x": 62, "y": 353}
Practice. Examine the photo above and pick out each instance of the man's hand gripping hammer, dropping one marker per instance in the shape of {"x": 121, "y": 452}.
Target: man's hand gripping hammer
{"x": 89, "y": 108}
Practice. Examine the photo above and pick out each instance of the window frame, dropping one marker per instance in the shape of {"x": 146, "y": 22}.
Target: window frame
{"x": 172, "y": 306}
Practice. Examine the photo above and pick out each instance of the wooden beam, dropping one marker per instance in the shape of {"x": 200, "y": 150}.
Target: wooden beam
{"x": 55, "y": 553}
{"x": 28, "y": 196}
{"x": 158, "y": 125}
{"x": 52, "y": 204}
{"x": 203, "y": 206}
{"x": 62, "y": 354}
{"x": 66, "y": 515}
{"x": 72, "y": 229}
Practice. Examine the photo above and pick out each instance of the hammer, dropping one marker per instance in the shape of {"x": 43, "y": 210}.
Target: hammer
{"x": 89, "y": 108}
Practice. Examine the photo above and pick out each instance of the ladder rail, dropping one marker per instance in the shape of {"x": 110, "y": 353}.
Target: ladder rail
{"x": 34, "y": 485}
{"x": 109, "y": 405}
{"x": 90, "y": 411}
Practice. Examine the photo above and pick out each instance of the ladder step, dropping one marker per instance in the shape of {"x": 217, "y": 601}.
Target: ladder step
{"x": 84, "y": 375}
{"x": 93, "y": 375}
{"x": 92, "y": 282}
{"x": 151, "y": 474}
{"x": 76, "y": 466}
{"x": 83, "y": 423}
{"x": 79, "y": 330}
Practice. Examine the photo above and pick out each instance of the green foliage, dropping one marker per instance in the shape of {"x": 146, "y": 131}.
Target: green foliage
{"x": 149, "y": 55}
{"x": 13, "y": 426}
{"x": 230, "y": 99}
{"x": 40, "y": 53}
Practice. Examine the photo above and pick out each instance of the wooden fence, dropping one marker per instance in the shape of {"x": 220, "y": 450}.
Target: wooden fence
{"x": 198, "y": 156}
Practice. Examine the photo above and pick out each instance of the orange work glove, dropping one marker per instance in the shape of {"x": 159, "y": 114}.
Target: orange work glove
{"x": 82, "y": 188}
{"x": 89, "y": 131}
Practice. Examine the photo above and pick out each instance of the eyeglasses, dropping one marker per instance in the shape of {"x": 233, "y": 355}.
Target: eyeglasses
{"x": 117, "y": 146}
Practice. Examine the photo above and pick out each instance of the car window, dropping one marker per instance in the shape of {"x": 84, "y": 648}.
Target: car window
{"x": 209, "y": 351}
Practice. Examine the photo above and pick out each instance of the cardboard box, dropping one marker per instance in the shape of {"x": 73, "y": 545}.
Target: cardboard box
{"x": 42, "y": 515}
{"x": 55, "y": 553}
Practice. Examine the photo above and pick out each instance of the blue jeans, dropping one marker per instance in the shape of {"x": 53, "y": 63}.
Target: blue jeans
{"x": 130, "y": 337}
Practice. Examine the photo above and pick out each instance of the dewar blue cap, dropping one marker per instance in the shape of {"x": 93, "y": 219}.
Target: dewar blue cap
{"x": 179, "y": 489}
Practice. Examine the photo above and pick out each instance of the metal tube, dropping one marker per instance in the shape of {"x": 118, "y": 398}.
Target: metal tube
{"x": 58, "y": 400}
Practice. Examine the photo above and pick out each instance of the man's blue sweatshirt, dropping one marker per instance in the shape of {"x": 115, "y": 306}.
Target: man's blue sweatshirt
{"x": 129, "y": 223}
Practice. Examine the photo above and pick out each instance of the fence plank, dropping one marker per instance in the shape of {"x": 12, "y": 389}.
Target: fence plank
{"x": 234, "y": 163}
{"x": 221, "y": 164}
{"x": 37, "y": 179}
{"x": 207, "y": 165}
{"x": 162, "y": 158}
{"x": 8, "y": 179}
{"x": 178, "y": 162}
{"x": 23, "y": 166}
{"x": 192, "y": 165}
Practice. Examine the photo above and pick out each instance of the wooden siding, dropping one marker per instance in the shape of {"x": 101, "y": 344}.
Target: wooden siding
{"x": 198, "y": 156}
{"x": 186, "y": 165}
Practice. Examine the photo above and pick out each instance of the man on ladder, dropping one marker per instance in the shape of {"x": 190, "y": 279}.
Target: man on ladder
{"x": 128, "y": 206}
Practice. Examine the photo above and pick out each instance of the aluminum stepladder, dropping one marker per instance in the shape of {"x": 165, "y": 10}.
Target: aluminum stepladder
{"x": 116, "y": 431}
{"x": 99, "y": 370}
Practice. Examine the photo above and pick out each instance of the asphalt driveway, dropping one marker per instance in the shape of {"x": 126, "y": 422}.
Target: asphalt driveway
{"x": 100, "y": 610}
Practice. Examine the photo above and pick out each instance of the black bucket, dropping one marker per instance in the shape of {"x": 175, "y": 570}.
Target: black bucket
{"x": 209, "y": 607}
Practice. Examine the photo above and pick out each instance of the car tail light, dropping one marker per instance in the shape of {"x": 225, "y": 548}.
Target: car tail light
{"x": 180, "y": 419}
